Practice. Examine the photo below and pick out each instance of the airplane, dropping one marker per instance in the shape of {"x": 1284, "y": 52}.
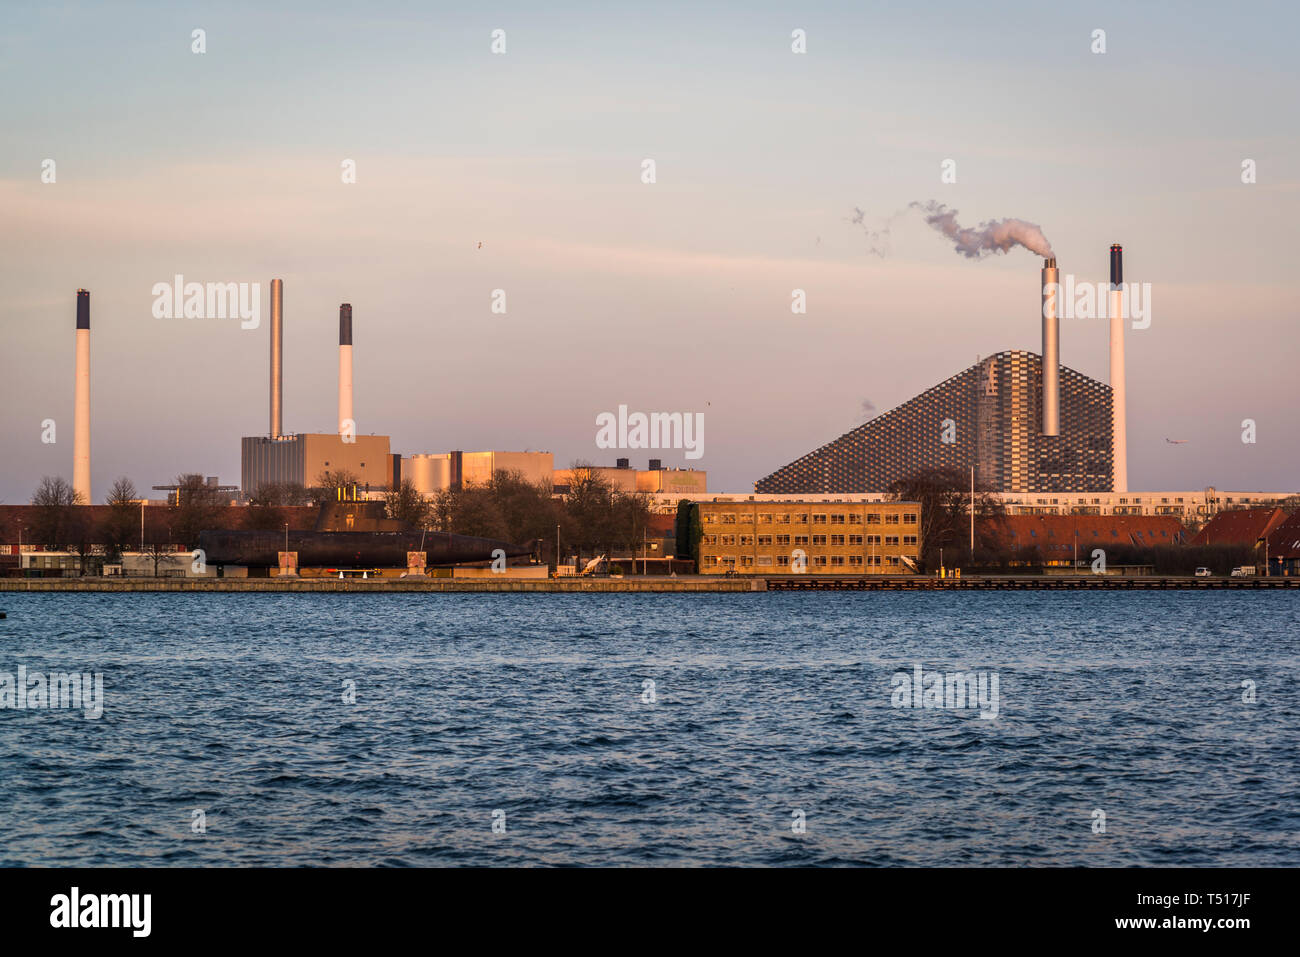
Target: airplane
{"x": 1176, "y": 441}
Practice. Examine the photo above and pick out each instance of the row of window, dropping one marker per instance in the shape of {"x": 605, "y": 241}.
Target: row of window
{"x": 725, "y": 539}
{"x": 833, "y": 518}
{"x": 817, "y": 561}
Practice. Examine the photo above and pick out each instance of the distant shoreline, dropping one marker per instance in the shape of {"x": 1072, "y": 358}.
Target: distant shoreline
{"x": 652, "y": 584}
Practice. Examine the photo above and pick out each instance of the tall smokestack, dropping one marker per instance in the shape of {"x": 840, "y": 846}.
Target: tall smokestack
{"x": 277, "y": 357}
{"x": 1119, "y": 408}
{"x": 346, "y": 423}
{"x": 81, "y": 403}
{"x": 1051, "y": 352}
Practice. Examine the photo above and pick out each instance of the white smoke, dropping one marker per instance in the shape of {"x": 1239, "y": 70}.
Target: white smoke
{"x": 995, "y": 236}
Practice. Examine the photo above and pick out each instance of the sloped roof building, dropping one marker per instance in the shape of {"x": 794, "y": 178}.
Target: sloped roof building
{"x": 986, "y": 416}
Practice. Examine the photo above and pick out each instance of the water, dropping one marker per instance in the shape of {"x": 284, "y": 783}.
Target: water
{"x": 765, "y": 704}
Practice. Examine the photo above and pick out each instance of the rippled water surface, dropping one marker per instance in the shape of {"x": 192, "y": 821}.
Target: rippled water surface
{"x": 764, "y": 704}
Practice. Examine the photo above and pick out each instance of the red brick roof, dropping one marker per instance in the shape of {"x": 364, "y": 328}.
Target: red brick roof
{"x": 1242, "y": 526}
{"x": 1284, "y": 540}
{"x": 1054, "y": 534}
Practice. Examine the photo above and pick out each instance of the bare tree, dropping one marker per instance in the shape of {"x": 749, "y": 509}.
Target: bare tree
{"x": 329, "y": 482}
{"x": 55, "y": 502}
{"x": 197, "y": 507}
{"x": 118, "y": 530}
{"x": 406, "y": 504}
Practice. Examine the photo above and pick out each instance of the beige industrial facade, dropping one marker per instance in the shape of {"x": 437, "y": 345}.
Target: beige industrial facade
{"x": 818, "y": 538}
{"x": 301, "y": 458}
{"x": 435, "y": 472}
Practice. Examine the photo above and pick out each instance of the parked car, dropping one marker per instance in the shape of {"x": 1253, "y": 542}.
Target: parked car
{"x": 1202, "y": 572}
{"x": 1243, "y": 571}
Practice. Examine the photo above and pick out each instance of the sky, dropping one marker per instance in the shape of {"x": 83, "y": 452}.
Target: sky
{"x": 522, "y": 171}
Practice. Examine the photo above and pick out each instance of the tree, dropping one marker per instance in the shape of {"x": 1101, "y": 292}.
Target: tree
{"x": 278, "y": 494}
{"x": 55, "y": 502}
{"x": 944, "y": 495}
{"x": 119, "y": 530}
{"x": 406, "y": 504}
{"x": 527, "y": 510}
{"x": 197, "y": 506}
{"x": 328, "y": 483}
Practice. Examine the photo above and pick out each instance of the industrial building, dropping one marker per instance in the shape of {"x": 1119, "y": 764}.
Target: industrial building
{"x": 791, "y": 535}
{"x": 1022, "y": 422}
{"x": 987, "y": 417}
{"x": 654, "y": 480}
{"x": 300, "y": 459}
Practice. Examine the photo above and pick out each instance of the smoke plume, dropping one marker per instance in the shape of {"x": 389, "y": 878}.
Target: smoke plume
{"x": 995, "y": 236}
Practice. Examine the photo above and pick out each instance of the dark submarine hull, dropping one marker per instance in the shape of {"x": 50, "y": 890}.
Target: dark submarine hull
{"x": 350, "y": 549}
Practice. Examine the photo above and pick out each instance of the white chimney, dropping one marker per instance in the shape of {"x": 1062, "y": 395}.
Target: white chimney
{"x": 346, "y": 423}
{"x": 1119, "y": 410}
{"x": 81, "y": 403}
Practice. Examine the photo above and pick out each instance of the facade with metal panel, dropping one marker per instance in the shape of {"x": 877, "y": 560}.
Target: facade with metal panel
{"x": 987, "y": 416}
{"x": 299, "y": 459}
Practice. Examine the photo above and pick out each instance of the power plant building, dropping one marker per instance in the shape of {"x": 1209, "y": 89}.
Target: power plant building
{"x": 1018, "y": 421}
{"x": 987, "y": 416}
{"x": 300, "y": 459}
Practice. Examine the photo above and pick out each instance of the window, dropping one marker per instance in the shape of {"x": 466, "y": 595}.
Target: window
{"x": 837, "y": 559}
{"x": 765, "y": 519}
{"x": 819, "y": 519}
{"x": 747, "y": 539}
{"x": 837, "y": 539}
{"x": 729, "y": 518}
{"x": 746, "y": 561}
{"x": 819, "y": 539}
{"x": 783, "y": 539}
{"x": 855, "y": 539}
{"x": 765, "y": 559}
{"x": 710, "y": 539}
{"x": 891, "y": 539}
{"x": 909, "y": 539}
{"x": 801, "y": 539}
{"x": 801, "y": 519}
{"x": 873, "y": 539}
{"x": 710, "y": 518}
{"x": 783, "y": 519}
{"x": 837, "y": 519}
{"x": 727, "y": 540}
{"x": 855, "y": 519}
{"x": 855, "y": 559}
{"x": 783, "y": 560}
{"x": 765, "y": 539}
{"x": 819, "y": 560}
{"x": 873, "y": 518}
{"x": 910, "y": 518}
{"x": 891, "y": 518}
